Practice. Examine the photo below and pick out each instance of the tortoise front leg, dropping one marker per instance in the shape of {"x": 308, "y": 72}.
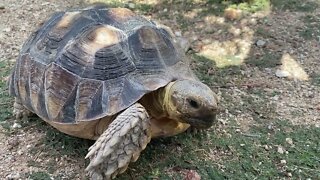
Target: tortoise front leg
{"x": 20, "y": 111}
{"x": 120, "y": 144}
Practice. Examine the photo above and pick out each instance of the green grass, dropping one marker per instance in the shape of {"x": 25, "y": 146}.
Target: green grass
{"x": 208, "y": 73}
{"x": 6, "y": 101}
{"x": 222, "y": 152}
{"x": 233, "y": 155}
{"x": 315, "y": 79}
{"x": 295, "y": 5}
{"x": 252, "y": 5}
{"x": 311, "y": 29}
{"x": 38, "y": 175}
{"x": 266, "y": 60}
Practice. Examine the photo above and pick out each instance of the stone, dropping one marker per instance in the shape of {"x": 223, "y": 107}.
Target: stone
{"x": 261, "y": 43}
{"x": 13, "y": 176}
{"x": 131, "y": 5}
{"x": 289, "y": 141}
{"x": 282, "y": 73}
{"x": 280, "y": 150}
{"x": 283, "y": 162}
{"x": 16, "y": 126}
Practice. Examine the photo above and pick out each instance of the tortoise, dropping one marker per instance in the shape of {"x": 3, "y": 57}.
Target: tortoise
{"x": 110, "y": 75}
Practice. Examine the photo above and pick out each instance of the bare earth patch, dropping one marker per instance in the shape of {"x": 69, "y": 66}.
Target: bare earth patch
{"x": 264, "y": 66}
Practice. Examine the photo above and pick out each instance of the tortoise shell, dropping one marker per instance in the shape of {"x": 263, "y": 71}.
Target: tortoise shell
{"x": 83, "y": 65}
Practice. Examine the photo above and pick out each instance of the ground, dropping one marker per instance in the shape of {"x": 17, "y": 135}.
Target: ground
{"x": 263, "y": 61}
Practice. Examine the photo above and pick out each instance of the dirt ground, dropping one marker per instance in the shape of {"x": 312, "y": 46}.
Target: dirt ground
{"x": 291, "y": 81}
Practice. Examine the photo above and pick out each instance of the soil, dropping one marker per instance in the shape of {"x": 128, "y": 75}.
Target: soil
{"x": 295, "y": 98}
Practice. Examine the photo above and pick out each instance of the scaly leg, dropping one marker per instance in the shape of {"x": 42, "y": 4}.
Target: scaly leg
{"x": 20, "y": 111}
{"x": 120, "y": 144}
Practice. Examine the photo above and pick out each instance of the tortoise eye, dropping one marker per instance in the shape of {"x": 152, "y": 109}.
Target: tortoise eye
{"x": 193, "y": 103}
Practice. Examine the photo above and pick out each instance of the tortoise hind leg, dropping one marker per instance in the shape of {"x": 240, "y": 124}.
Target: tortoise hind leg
{"x": 120, "y": 144}
{"x": 19, "y": 110}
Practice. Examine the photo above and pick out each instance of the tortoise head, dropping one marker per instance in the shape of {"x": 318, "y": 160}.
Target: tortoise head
{"x": 191, "y": 102}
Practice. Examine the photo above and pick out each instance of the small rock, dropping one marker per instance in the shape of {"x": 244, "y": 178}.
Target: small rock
{"x": 268, "y": 70}
{"x": 192, "y": 175}
{"x": 165, "y": 10}
{"x": 178, "y": 33}
{"x": 232, "y": 14}
{"x": 8, "y": 29}
{"x": 282, "y": 73}
{"x": 289, "y": 174}
{"x": 131, "y": 5}
{"x": 261, "y": 43}
{"x": 16, "y": 126}
{"x": 20, "y": 152}
{"x": 266, "y": 147}
{"x": 234, "y": 31}
{"x": 289, "y": 141}
{"x": 283, "y": 162}
{"x": 280, "y": 150}
{"x": 253, "y": 21}
{"x": 13, "y": 176}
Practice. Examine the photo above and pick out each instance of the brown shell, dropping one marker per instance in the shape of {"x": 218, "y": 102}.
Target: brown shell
{"x": 87, "y": 64}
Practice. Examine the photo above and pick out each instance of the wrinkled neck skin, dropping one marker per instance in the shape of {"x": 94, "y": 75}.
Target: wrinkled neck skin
{"x": 154, "y": 103}
{"x": 161, "y": 124}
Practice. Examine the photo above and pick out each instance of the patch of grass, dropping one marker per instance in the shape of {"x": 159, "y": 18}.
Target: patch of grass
{"x": 263, "y": 32}
{"x": 233, "y": 155}
{"x": 252, "y": 5}
{"x": 295, "y": 5}
{"x": 315, "y": 79}
{"x": 62, "y": 144}
{"x": 6, "y": 101}
{"x": 40, "y": 175}
{"x": 267, "y": 60}
{"x": 206, "y": 70}
{"x": 312, "y": 27}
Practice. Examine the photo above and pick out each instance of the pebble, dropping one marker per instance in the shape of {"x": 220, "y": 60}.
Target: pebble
{"x": 8, "y": 29}
{"x": 261, "y": 43}
{"x": 280, "y": 150}
{"x": 289, "y": 141}
{"x": 131, "y": 5}
{"x": 13, "y": 176}
{"x": 283, "y": 162}
{"x": 266, "y": 147}
{"x": 234, "y": 31}
{"x": 253, "y": 21}
{"x": 282, "y": 73}
{"x": 16, "y": 126}
{"x": 289, "y": 174}
{"x": 178, "y": 33}
{"x": 268, "y": 70}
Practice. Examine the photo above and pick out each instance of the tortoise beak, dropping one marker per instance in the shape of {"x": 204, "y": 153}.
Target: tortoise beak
{"x": 201, "y": 123}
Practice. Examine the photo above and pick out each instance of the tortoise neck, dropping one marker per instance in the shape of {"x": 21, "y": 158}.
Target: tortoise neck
{"x": 155, "y": 104}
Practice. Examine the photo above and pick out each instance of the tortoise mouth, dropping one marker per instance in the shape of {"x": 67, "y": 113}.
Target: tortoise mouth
{"x": 201, "y": 122}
